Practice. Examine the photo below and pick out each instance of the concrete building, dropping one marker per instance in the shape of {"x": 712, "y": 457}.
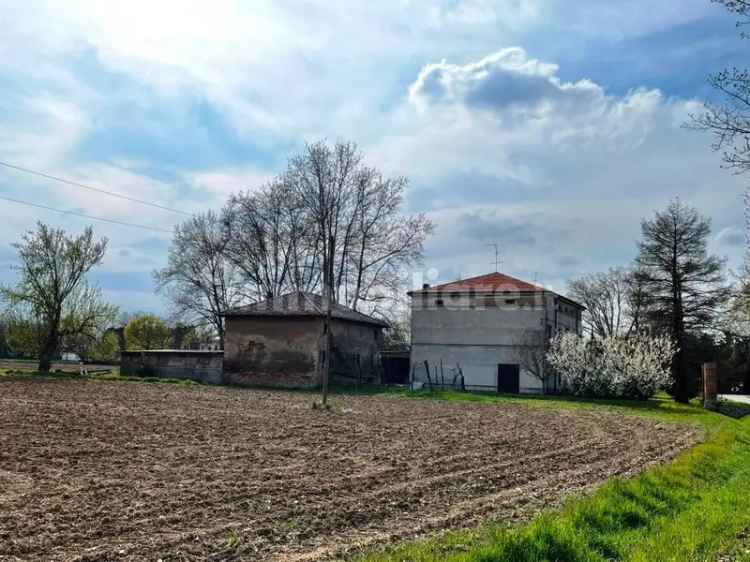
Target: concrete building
{"x": 279, "y": 342}
{"x": 493, "y": 329}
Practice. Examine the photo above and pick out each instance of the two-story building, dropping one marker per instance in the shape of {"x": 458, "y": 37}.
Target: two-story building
{"x": 492, "y": 329}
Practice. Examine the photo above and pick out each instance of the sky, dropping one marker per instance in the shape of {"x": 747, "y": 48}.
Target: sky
{"x": 548, "y": 127}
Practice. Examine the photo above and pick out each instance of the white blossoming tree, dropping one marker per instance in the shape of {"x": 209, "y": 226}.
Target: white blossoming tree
{"x": 629, "y": 367}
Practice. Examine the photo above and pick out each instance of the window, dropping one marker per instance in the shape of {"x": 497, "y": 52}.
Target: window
{"x": 510, "y": 301}
{"x": 439, "y": 303}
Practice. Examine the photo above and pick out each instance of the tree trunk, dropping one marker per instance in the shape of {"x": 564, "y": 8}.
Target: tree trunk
{"x": 679, "y": 373}
{"x": 47, "y": 351}
{"x": 679, "y": 366}
{"x": 220, "y": 331}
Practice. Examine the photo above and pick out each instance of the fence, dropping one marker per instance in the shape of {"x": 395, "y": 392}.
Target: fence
{"x": 353, "y": 368}
{"x": 439, "y": 376}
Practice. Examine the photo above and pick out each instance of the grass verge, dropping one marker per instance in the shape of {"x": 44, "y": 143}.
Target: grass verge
{"x": 688, "y": 510}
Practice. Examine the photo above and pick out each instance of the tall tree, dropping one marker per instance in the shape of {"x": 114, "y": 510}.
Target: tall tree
{"x": 53, "y": 286}
{"x": 325, "y": 181}
{"x": 327, "y": 211}
{"x": 385, "y": 242}
{"x": 684, "y": 283}
{"x": 199, "y": 280}
{"x": 270, "y": 240}
{"x": 359, "y": 229}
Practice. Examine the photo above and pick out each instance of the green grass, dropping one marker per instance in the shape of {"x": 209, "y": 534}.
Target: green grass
{"x": 689, "y": 509}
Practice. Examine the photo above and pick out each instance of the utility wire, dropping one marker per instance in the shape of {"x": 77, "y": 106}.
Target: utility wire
{"x": 90, "y": 188}
{"x": 113, "y": 221}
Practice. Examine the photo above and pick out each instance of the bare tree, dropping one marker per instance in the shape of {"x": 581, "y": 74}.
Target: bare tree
{"x": 271, "y": 241}
{"x": 685, "y": 285}
{"x": 358, "y": 225}
{"x": 730, "y": 121}
{"x": 325, "y": 181}
{"x": 327, "y": 215}
{"x": 606, "y": 297}
{"x": 639, "y": 301}
{"x": 53, "y": 287}
{"x": 385, "y": 241}
{"x": 199, "y": 280}
{"x": 532, "y": 349}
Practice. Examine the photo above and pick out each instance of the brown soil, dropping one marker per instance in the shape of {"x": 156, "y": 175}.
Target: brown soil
{"x": 93, "y": 470}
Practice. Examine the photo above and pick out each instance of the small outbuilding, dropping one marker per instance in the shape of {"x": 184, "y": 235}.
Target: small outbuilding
{"x": 280, "y": 342}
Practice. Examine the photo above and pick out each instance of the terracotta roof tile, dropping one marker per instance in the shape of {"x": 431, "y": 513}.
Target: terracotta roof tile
{"x": 491, "y": 282}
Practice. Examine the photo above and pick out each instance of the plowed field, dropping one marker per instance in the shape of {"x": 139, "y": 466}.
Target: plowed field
{"x": 93, "y": 470}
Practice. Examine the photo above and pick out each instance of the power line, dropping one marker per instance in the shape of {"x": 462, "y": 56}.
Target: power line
{"x": 90, "y": 188}
{"x": 113, "y": 221}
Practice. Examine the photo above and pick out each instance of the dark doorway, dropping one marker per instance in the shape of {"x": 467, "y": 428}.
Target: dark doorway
{"x": 395, "y": 367}
{"x": 507, "y": 379}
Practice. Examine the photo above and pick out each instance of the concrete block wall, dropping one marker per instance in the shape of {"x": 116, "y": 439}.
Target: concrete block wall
{"x": 479, "y": 365}
{"x": 202, "y": 366}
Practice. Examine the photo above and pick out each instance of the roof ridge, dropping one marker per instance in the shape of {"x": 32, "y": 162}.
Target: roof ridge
{"x": 488, "y": 276}
{"x": 310, "y": 298}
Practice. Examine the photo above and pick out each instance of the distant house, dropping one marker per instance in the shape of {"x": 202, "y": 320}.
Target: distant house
{"x": 492, "y": 329}
{"x": 279, "y": 342}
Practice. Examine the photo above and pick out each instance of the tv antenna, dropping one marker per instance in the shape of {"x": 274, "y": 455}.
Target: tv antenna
{"x": 498, "y": 260}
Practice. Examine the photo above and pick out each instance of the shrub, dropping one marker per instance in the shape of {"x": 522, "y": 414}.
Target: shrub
{"x": 614, "y": 367}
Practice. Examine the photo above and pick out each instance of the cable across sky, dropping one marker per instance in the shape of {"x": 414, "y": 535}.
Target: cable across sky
{"x": 90, "y": 217}
{"x": 91, "y": 188}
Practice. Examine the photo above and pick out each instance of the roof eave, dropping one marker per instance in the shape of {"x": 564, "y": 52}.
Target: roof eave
{"x": 280, "y": 316}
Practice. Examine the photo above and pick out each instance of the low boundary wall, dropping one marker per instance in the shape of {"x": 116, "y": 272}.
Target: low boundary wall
{"x": 203, "y": 366}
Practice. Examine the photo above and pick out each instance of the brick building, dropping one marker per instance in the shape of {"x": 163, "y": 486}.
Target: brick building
{"x": 279, "y": 342}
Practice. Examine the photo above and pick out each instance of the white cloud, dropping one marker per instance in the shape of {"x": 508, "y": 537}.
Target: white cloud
{"x": 563, "y": 162}
{"x": 221, "y": 183}
{"x": 559, "y": 172}
{"x": 41, "y": 129}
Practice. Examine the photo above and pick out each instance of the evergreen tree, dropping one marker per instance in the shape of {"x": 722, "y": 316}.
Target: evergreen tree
{"x": 685, "y": 284}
